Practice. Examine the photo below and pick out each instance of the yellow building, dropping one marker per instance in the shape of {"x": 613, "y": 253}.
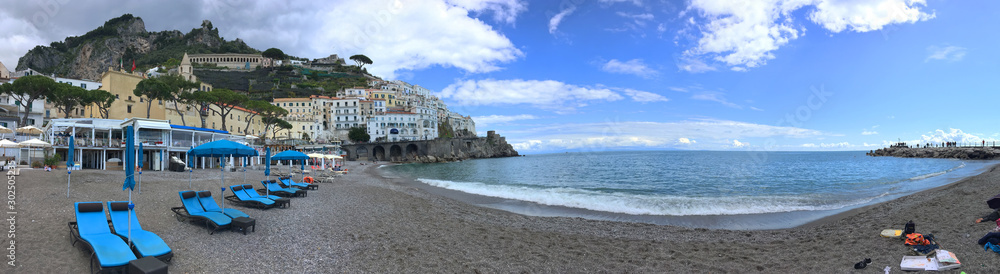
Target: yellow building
{"x": 121, "y": 84}
{"x": 388, "y": 96}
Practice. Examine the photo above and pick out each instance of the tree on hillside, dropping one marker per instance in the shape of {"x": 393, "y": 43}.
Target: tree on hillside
{"x": 278, "y": 124}
{"x": 153, "y": 89}
{"x": 361, "y": 60}
{"x": 264, "y": 109}
{"x": 103, "y": 99}
{"x": 358, "y": 134}
{"x": 26, "y": 89}
{"x": 224, "y": 100}
{"x": 66, "y": 98}
{"x": 179, "y": 88}
{"x": 274, "y": 53}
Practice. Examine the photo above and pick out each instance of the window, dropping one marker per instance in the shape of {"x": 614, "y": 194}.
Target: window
{"x": 46, "y": 114}
{"x": 83, "y": 85}
{"x": 130, "y": 98}
{"x": 129, "y": 110}
{"x": 160, "y": 101}
{"x": 303, "y": 127}
{"x": 140, "y": 100}
{"x": 213, "y": 124}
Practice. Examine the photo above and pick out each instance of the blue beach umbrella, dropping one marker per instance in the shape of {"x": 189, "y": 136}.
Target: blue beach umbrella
{"x": 291, "y": 155}
{"x": 69, "y": 163}
{"x": 191, "y": 165}
{"x": 138, "y": 179}
{"x": 267, "y": 168}
{"x": 129, "y": 174}
{"x": 222, "y": 149}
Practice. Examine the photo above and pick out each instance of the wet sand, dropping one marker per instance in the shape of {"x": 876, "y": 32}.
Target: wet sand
{"x": 364, "y": 222}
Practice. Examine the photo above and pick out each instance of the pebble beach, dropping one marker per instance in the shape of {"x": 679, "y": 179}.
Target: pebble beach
{"x": 365, "y": 222}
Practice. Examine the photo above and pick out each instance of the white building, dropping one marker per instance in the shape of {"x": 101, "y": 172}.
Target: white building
{"x": 394, "y": 126}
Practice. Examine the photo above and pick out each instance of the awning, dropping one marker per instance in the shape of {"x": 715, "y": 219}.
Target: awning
{"x": 199, "y": 129}
{"x": 152, "y": 125}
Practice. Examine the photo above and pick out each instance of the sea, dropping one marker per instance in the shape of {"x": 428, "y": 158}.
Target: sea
{"x": 745, "y": 190}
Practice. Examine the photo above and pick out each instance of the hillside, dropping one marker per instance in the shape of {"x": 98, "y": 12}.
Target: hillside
{"x": 124, "y": 38}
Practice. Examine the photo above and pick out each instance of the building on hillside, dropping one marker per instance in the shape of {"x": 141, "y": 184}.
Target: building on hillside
{"x": 461, "y": 123}
{"x": 329, "y": 61}
{"x": 4, "y": 73}
{"x": 232, "y": 60}
{"x": 427, "y": 122}
{"x": 346, "y": 114}
{"x": 79, "y": 112}
{"x": 394, "y": 126}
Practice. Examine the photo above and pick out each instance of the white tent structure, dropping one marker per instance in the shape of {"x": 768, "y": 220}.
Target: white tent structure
{"x": 33, "y": 143}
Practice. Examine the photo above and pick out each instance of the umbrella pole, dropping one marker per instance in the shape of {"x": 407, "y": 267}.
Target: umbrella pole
{"x": 129, "y": 217}
{"x": 69, "y": 176}
{"x": 222, "y": 190}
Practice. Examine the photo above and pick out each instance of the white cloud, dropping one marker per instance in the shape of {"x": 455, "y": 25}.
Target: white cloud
{"x": 639, "y": 19}
{"x": 715, "y": 97}
{"x": 484, "y": 121}
{"x": 557, "y": 19}
{"x": 744, "y": 34}
{"x": 711, "y": 134}
{"x": 634, "y": 2}
{"x": 693, "y": 65}
{"x": 547, "y": 94}
{"x": 948, "y": 53}
{"x": 840, "y": 145}
{"x": 644, "y": 96}
{"x": 397, "y": 35}
{"x": 679, "y": 89}
{"x": 737, "y": 143}
{"x": 866, "y": 132}
{"x": 951, "y": 135}
{"x": 503, "y": 10}
{"x": 634, "y": 67}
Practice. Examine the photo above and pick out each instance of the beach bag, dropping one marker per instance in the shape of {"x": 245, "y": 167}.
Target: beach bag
{"x": 916, "y": 239}
{"x": 909, "y": 228}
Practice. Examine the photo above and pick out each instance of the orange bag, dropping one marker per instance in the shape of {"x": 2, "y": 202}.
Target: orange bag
{"x": 916, "y": 239}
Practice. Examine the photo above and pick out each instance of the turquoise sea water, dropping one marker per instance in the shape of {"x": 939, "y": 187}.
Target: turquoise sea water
{"x": 748, "y": 190}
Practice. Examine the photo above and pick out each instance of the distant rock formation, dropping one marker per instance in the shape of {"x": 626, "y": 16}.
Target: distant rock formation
{"x": 120, "y": 41}
{"x": 455, "y": 149}
{"x": 971, "y": 153}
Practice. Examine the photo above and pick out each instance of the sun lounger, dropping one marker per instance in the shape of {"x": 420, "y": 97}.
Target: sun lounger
{"x": 278, "y": 201}
{"x": 145, "y": 243}
{"x": 192, "y": 211}
{"x": 205, "y": 198}
{"x": 91, "y": 227}
{"x": 241, "y": 198}
{"x": 273, "y": 187}
{"x": 306, "y": 186}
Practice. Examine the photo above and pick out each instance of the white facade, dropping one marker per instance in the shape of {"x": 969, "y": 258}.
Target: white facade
{"x": 394, "y": 126}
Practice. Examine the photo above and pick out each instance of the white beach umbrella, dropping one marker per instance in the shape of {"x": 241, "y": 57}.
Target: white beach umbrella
{"x": 34, "y": 142}
{"x": 7, "y": 144}
{"x": 4, "y": 130}
{"x": 30, "y": 130}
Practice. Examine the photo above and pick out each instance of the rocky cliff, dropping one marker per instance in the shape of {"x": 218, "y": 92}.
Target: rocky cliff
{"x": 122, "y": 40}
{"x": 972, "y": 153}
{"x": 454, "y": 149}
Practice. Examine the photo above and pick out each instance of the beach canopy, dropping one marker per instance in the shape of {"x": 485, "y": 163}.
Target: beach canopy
{"x": 34, "y": 142}
{"x": 29, "y": 130}
{"x": 129, "y": 161}
{"x": 8, "y": 143}
{"x": 315, "y": 155}
{"x": 290, "y": 155}
{"x": 5, "y": 130}
{"x": 223, "y": 148}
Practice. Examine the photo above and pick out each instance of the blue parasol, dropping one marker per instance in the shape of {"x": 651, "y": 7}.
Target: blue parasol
{"x": 69, "y": 163}
{"x": 291, "y": 155}
{"x": 138, "y": 180}
{"x": 129, "y": 174}
{"x": 222, "y": 149}
{"x": 267, "y": 168}
{"x": 191, "y": 165}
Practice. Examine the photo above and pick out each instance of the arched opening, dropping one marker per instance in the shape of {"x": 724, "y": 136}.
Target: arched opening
{"x": 361, "y": 151}
{"x": 395, "y": 153}
{"x": 412, "y": 151}
{"x": 379, "y": 153}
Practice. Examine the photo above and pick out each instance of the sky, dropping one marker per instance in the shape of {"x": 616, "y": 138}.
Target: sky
{"x": 594, "y": 75}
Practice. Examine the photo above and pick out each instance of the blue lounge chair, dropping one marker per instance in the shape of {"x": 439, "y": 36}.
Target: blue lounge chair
{"x": 192, "y": 211}
{"x": 273, "y": 187}
{"x": 290, "y": 183}
{"x": 144, "y": 242}
{"x": 241, "y": 198}
{"x": 253, "y": 193}
{"x": 205, "y": 198}
{"x": 91, "y": 227}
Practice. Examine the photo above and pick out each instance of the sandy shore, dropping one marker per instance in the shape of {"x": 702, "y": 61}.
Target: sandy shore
{"x": 368, "y": 223}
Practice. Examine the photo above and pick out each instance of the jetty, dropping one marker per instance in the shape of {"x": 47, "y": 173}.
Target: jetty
{"x": 981, "y": 151}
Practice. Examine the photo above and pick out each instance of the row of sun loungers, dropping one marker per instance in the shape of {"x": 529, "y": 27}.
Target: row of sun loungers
{"x": 111, "y": 250}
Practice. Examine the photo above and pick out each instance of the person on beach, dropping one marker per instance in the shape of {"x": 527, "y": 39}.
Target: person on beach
{"x": 989, "y": 217}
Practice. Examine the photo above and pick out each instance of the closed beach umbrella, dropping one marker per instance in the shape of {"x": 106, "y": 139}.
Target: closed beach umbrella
{"x": 69, "y": 163}
{"x": 129, "y": 174}
{"x": 138, "y": 180}
{"x": 267, "y": 167}
{"x": 191, "y": 165}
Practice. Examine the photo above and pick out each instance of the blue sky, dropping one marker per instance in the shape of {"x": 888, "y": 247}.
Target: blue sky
{"x": 584, "y": 75}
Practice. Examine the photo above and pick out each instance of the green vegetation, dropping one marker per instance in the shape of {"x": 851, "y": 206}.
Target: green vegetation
{"x": 27, "y": 89}
{"x": 444, "y": 130}
{"x": 274, "y": 53}
{"x": 361, "y": 60}
{"x": 358, "y": 134}
{"x": 52, "y": 160}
